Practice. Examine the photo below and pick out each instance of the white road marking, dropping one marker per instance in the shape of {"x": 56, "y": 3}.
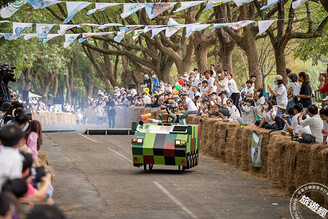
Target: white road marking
{"x": 88, "y": 138}
{"x": 174, "y": 199}
{"x": 119, "y": 154}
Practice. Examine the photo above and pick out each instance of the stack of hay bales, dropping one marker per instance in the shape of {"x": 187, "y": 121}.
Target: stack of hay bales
{"x": 232, "y": 132}
{"x": 212, "y": 136}
{"x": 189, "y": 118}
{"x": 204, "y": 135}
{"x": 246, "y": 162}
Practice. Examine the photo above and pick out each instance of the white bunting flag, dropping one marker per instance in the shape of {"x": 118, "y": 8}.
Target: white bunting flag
{"x": 242, "y": 2}
{"x": 240, "y": 24}
{"x": 137, "y": 33}
{"x": 49, "y": 37}
{"x": 4, "y": 22}
{"x": 172, "y": 28}
{"x": 65, "y": 27}
{"x": 20, "y": 28}
{"x": 10, "y": 36}
{"x": 101, "y": 7}
{"x": 217, "y": 26}
{"x": 9, "y": 10}
{"x": 169, "y": 31}
{"x": 264, "y": 25}
{"x": 297, "y": 3}
{"x": 109, "y": 25}
{"x": 131, "y": 8}
{"x": 30, "y": 36}
{"x": 192, "y": 28}
{"x": 87, "y": 25}
{"x": 172, "y": 22}
{"x": 148, "y": 28}
{"x": 39, "y": 4}
{"x": 42, "y": 30}
{"x": 270, "y": 3}
{"x": 86, "y": 36}
{"x": 69, "y": 38}
{"x": 156, "y": 31}
{"x": 155, "y": 9}
{"x": 73, "y": 8}
{"x": 188, "y": 4}
{"x": 214, "y": 3}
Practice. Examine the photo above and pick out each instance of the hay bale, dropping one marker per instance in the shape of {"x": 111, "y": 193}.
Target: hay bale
{"x": 203, "y": 147}
{"x": 302, "y": 165}
{"x": 232, "y": 136}
{"x": 237, "y": 148}
{"x": 190, "y": 118}
{"x": 246, "y": 163}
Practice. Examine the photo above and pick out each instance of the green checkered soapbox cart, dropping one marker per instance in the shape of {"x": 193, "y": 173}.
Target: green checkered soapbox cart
{"x": 169, "y": 142}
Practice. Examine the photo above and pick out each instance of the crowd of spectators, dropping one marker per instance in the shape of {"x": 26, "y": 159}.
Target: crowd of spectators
{"x": 24, "y": 183}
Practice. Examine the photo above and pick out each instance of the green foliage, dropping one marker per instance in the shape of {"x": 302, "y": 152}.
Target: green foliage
{"x": 4, "y": 3}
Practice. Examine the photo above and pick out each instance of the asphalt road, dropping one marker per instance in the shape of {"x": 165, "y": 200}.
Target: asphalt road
{"x": 95, "y": 178}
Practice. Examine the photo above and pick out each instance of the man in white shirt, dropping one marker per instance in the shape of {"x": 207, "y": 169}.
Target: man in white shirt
{"x": 146, "y": 100}
{"x": 189, "y": 105}
{"x": 11, "y": 161}
{"x": 314, "y": 122}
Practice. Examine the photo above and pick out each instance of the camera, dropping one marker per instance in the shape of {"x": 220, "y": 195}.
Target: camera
{"x": 38, "y": 173}
{"x": 5, "y": 70}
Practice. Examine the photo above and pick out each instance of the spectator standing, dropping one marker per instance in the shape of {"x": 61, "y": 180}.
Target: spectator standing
{"x": 235, "y": 95}
{"x": 155, "y": 82}
{"x": 212, "y": 68}
{"x": 279, "y": 92}
{"x": 293, "y": 89}
{"x": 148, "y": 82}
{"x": 111, "y": 112}
{"x": 253, "y": 78}
{"x": 306, "y": 91}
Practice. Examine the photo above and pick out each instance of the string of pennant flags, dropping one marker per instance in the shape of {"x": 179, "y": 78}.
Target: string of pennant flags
{"x": 42, "y": 30}
{"x": 152, "y": 10}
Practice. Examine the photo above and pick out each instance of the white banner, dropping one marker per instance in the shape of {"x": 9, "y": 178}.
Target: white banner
{"x": 297, "y": 3}
{"x": 73, "y": 8}
{"x": 172, "y": 28}
{"x": 10, "y": 36}
{"x": 65, "y": 27}
{"x": 192, "y": 28}
{"x": 109, "y": 25}
{"x": 214, "y": 3}
{"x": 155, "y": 9}
{"x": 86, "y": 36}
{"x": 69, "y": 38}
{"x": 101, "y": 7}
{"x": 156, "y": 31}
{"x": 240, "y": 24}
{"x": 264, "y": 25}
{"x": 9, "y": 10}
{"x": 39, "y": 4}
{"x": 20, "y": 28}
{"x": 242, "y": 2}
{"x": 148, "y": 28}
{"x": 42, "y": 30}
{"x": 30, "y": 36}
{"x": 49, "y": 37}
{"x": 87, "y": 25}
{"x": 131, "y": 8}
{"x": 220, "y": 25}
{"x": 186, "y": 5}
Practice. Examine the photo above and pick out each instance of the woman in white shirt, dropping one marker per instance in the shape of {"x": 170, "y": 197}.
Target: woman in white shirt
{"x": 260, "y": 101}
{"x": 268, "y": 116}
{"x": 223, "y": 84}
{"x": 234, "y": 93}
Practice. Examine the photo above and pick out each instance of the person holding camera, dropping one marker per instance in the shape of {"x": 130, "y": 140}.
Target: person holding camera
{"x": 6, "y": 75}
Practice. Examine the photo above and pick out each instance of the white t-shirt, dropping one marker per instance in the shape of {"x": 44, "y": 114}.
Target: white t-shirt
{"x": 281, "y": 90}
{"x": 11, "y": 163}
{"x": 297, "y": 128}
{"x": 267, "y": 116}
{"x": 234, "y": 113}
{"x": 296, "y": 87}
{"x": 191, "y": 105}
{"x": 210, "y": 82}
{"x": 147, "y": 99}
{"x": 233, "y": 87}
{"x": 315, "y": 123}
{"x": 225, "y": 83}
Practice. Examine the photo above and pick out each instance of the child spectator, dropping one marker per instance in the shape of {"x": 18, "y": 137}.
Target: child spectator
{"x": 315, "y": 123}
{"x": 248, "y": 110}
{"x": 248, "y": 91}
{"x": 260, "y": 102}
{"x": 268, "y": 116}
{"x": 233, "y": 111}
{"x": 279, "y": 92}
{"x": 235, "y": 95}
{"x": 11, "y": 161}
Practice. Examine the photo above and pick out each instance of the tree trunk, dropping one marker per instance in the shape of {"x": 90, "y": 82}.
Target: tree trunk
{"x": 55, "y": 87}
{"x": 69, "y": 91}
{"x": 324, "y": 4}
{"x": 21, "y": 84}
{"x": 252, "y": 57}
{"x": 201, "y": 57}
{"x": 279, "y": 53}
{"x": 47, "y": 86}
{"x": 165, "y": 69}
{"x": 27, "y": 78}
{"x": 226, "y": 46}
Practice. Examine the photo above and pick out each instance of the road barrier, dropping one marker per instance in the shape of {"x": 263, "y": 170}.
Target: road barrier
{"x": 286, "y": 164}
{"x": 51, "y": 118}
